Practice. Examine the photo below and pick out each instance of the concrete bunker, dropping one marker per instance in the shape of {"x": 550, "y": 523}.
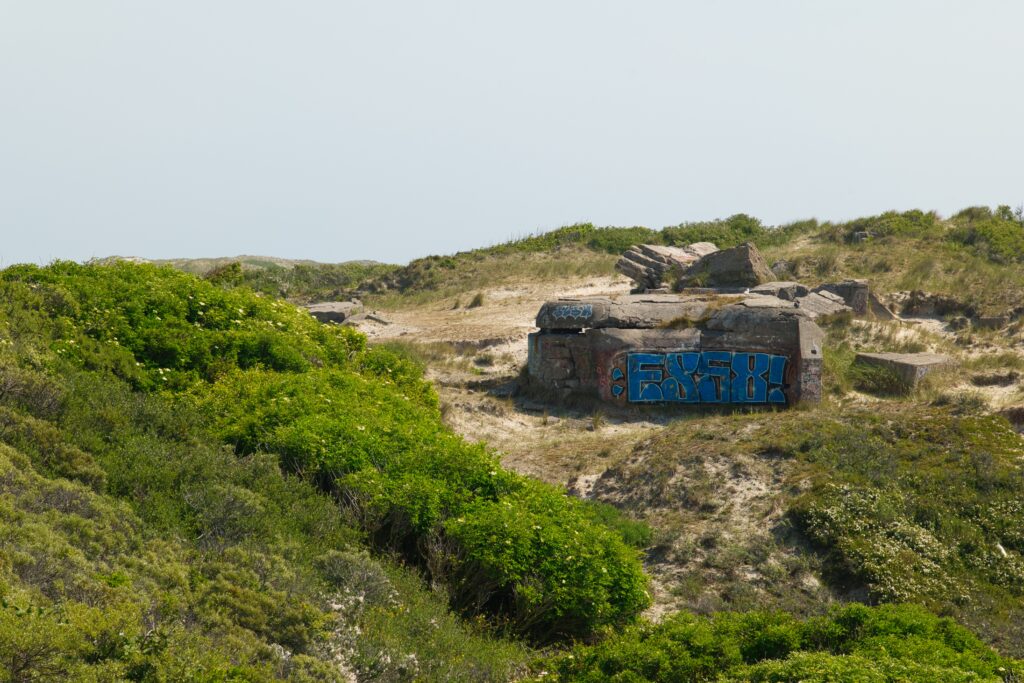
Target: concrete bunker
{"x": 737, "y": 339}
{"x": 662, "y": 349}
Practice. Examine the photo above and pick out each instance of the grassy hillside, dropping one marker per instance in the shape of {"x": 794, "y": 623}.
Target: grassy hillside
{"x": 974, "y": 255}
{"x": 911, "y": 503}
{"x": 299, "y": 281}
{"x": 200, "y": 482}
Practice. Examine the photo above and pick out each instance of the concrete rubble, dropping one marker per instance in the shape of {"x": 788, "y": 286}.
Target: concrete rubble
{"x": 735, "y": 335}
{"x": 858, "y": 296}
{"x": 741, "y": 266}
{"x": 650, "y": 265}
{"x": 335, "y": 311}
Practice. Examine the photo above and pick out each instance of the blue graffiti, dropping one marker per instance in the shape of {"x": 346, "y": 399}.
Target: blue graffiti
{"x": 702, "y": 377}
{"x": 572, "y": 311}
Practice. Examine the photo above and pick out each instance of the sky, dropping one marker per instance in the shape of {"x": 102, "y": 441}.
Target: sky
{"x": 337, "y": 130}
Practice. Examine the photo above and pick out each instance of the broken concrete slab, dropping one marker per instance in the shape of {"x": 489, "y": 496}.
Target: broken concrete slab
{"x": 878, "y": 310}
{"x": 741, "y": 266}
{"x": 682, "y": 256}
{"x": 744, "y": 316}
{"x": 753, "y": 300}
{"x": 334, "y": 311}
{"x": 782, "y": 289}
{"x": 637, "y": 311}
{"x": 822, "y": 305}
{"x": 358, "y": 318}
{"x": 854, "y": 293}
{"x": 909, "y": 367}
{"x": 650, "y": 264}
{"x": 858, "y": 296}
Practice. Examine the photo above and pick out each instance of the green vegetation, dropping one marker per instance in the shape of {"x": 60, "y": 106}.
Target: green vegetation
{"x": 734, "y": 231}
{"x": 200, "y": 482}
{"x": 876, "y": 379}
{"x": 174, "y": 458}
{"x": 924, "y": 506}
{"x": 973, "y": 256}
{"x": 577, "y": 250}
{"x": 296, "y": 281}
{"x": 725, "y": 233}
{"x": 852, "y": 643}
{"x": 305, "y": 283}
{"x": 896, "y": 502}
{"x": 462, "y": 275}
{"x": 998, "y": 236}
{"x": 891, "y": 223}
{"x": 966, "y": 255}
{"x": 609, "y": 240}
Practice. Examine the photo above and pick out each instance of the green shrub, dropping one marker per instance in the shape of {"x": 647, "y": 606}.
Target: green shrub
{"x": 301, "y": 282}
{"x": 136, "y": 546}
{"x": 998, "y": 237}
{"x": 610, "y": 240}
{"x": 618, "y": 240}
{"x": 363, "y": 424}
{"x": 726, "y": 233}
{"x": 49, "y": 452}
{"x": 900, "y": 504}
{"x": 893, "y": 223}
{"x": 634, "y": 532}
{"x": 533, "y": 556}
{"x": 852, "y": 643}
{"x": 877, "y": 379}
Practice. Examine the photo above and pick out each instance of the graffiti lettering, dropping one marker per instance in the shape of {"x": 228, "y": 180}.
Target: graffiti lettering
{"x": 702, "y": 377}
{"x": 572, "y": 311}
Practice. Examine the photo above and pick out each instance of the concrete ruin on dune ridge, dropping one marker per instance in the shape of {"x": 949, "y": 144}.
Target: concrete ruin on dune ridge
{"x": 728, "y": 335}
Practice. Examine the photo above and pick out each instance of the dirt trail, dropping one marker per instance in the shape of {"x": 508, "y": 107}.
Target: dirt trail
{"x": 477, "y": 352}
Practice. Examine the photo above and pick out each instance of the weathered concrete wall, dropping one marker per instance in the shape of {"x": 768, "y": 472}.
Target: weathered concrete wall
{"x": 740, "y": 355}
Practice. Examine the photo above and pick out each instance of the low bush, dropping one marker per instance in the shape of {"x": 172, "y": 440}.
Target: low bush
{"x": 919, "y": 505}
{"x": 877, "y": 379}
{"x": 361, "y": 423}
{"x": 636, "y": 533}
{"x": 913, "y": 223}
{"x": 852, "y": 643}
{"x": 997, "y": 236}
{"x": 723, "y": 233}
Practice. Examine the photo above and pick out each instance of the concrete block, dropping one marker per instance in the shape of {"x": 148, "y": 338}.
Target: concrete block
{"x": 785, "y": 290}
{"x": 334, "y": 311}
{"x": 909, "y": 367}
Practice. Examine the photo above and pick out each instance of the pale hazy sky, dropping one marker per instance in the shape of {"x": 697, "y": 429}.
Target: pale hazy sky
{"x": 339, "y": 130}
